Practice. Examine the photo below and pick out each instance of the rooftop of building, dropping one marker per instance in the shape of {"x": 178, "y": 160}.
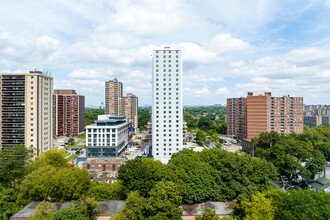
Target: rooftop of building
{"x": 167, "y": 49}
{"x": 220, "y": 208}
{"x": 34, "y": 72}
{"x": 113, "y": 80}
{"x": 103, "y": 174}
{"x": 65, "y": 92}
{"x": 109, "y": 120}
{"x": 321, "y": 183}
{"x": 108, "y": 207}
{"x": 106, "y": 160}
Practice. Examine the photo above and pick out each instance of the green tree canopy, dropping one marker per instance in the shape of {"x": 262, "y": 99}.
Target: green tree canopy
{"x": 69, "y": 213}
{"x": 43, "y": 211}
{"x": 163, "y": 203}
{"x": 140, "y": 174}
{"x": 49, "y": 183}
{"x": 293, "y": 157}
{"x": 208, "y": 214}
{"x": 13, "y": 163}
{"x": 265, "y": 140}
{"x": 105, "y": 191}
{"x": 217, "y": 175}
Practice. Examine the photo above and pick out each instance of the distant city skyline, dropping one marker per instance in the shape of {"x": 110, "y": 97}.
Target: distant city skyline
{"x": 229, "y": 48}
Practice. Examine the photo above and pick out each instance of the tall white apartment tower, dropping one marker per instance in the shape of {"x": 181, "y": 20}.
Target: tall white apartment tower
{"x": 167, "y": 111}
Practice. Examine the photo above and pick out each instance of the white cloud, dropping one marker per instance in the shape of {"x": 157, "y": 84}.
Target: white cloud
{"x": 148, "y": 17}
{"x": 224, "y": 91}
{"x": 196, "y": 92}
{"x": 225, "y": 44}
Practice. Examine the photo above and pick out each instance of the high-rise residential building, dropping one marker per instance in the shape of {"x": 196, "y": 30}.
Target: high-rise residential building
{"x": 118, "y": 105}
{"x": 113, "y": 95}
{"x": 68, "y": 113}
{"x": 260, "y": 112}
{"x": 316, "y": 115}
{"x": 236, "y": 115}
{"x": 26, "y": 110}
{"x": 167, "y": 111}
{"x": 108, "y": 137}
{"x": 130, "y": 108}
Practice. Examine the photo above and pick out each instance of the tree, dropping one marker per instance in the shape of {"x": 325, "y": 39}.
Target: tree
{"x": 49, "y": 183}
{"x": 105, "y": 191}
{"x": 324, "y": 148}
{"x": 134, "y": 207}
{"x": 69, "y": 213}
{"x": 205, "y": 124}
{"x": 143, "y": 118}
{"x": 201, "y": 137}
{"x": 140, "y": 174}
{"x": 216, "y": 175}
{"x": 265, "y": 140}
{"x": 87, "y": 206}
{"x": 71, "y": 141}
{"x": 43, "y": 211}
{"x": 208, "y": 214}
{"x": 304, "y": 204}
{"x": 9, "y": 204}
{"x": 91, "y": 115}
{"x": 163, "y": 203}
{"x": 293, "y": 157}
{"x": 13, "y": 163}
{"x": 257, "y": 207}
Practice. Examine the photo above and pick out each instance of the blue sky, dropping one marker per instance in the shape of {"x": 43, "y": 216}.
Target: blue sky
{"x": 229, "y": 47}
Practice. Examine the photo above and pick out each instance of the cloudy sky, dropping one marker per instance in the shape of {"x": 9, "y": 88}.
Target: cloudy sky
{"x": 229, "y": 47}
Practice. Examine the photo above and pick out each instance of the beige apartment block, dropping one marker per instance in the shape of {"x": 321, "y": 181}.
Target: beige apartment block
{"x": 26, "y": 110}
{"x": 113, "y": 95}
{"x": 130, "y": 103}
{"x": 118, "y": 105}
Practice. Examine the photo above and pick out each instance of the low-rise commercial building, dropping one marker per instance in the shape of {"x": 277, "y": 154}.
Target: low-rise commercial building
{"x": 108, "y": 137}
{"x": 104, "y": 169}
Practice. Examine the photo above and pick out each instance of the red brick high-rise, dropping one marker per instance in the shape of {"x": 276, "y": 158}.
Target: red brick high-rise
{"x": 69, "y": 113}
{"x": 260, "y": 112}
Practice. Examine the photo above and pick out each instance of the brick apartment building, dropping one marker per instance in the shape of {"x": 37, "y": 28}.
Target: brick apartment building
{"x": 260, "y": 112}
{"x": 104, "y": 169}
{"x": 69, "y": 113}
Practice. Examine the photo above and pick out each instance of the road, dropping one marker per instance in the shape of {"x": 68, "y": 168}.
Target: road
{"x": 138, "y": 151}
{"x": 60, "y": 141}
{"x": 232, "y": 147}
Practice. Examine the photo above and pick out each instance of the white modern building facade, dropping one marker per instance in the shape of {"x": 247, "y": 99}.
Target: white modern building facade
{"x": 167, "y": 107}
{"x": 108, "y": 137}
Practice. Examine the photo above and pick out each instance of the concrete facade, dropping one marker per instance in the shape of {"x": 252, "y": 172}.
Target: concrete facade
{"x": 167, "y": 108}
{"x": 26, "y": 110}
{"x": 118, "y": 105}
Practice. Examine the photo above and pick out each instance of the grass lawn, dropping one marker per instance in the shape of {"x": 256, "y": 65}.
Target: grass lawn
{"x": 73, "y": 156}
